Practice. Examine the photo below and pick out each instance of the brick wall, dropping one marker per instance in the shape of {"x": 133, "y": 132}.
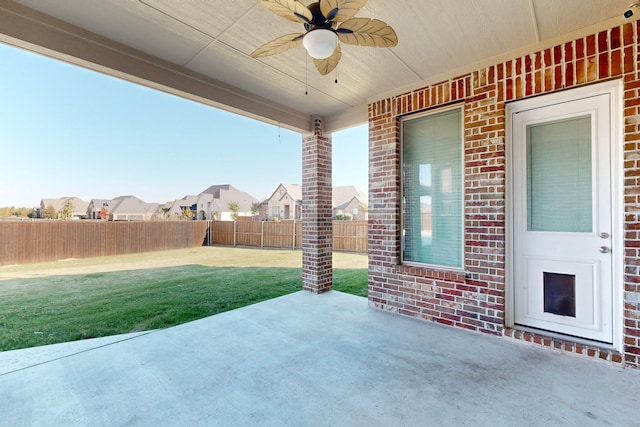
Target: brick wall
{"x": 317, "y": 212}
{"x": 474, "y": 299}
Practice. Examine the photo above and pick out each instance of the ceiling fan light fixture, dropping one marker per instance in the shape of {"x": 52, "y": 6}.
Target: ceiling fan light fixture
{"x": 328, "y": 25}
{"x": 320, "y": 43}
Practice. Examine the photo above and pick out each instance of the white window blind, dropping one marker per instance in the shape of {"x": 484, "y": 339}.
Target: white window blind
{"x": 559, "y": 176}
{"x": 432, "y": 189}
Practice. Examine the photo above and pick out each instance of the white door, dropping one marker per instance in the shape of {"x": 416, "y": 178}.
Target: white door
{"x": 562, "y": 212}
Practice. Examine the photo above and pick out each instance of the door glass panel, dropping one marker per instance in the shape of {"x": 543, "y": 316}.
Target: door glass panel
{"x": 560, "y": 294}
{"x": 559, "y": 176}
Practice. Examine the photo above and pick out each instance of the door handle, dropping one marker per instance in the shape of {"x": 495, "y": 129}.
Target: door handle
{"x": 604, "y": 235}
{"x": 605, "y": 250}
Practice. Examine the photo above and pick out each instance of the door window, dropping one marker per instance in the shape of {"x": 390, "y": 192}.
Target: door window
{"x": 559, "y": 176}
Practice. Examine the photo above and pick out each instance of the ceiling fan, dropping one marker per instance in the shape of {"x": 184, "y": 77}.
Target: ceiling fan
{"x": 326, "y": 22}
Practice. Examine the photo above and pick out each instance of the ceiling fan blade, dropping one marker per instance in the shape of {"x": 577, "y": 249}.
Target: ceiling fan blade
{"x": 325, "y": 66}
{"x": 367, "y": 32}
{"x": 340, "y": 10}
{"x": 292, "y": 10}
{"x": 279, "y": 45}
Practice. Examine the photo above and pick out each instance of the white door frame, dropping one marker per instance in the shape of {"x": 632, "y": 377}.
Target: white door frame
{"x": 615, "y": 90}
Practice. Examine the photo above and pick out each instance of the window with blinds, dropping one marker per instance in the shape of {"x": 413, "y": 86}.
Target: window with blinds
{"x": 432, "y": 189}
{"x": 559, "y": 176}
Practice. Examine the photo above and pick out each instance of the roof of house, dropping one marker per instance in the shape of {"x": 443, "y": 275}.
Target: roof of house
{"x": 132, "y": 205}
{"x": 343, "y": 195}
{"x": 79, "y": 205}
{"x": 215, "y": 190}
{"x": 293, "y": 190}
{"x": 186, "y": 201}
{"x": 99, "y": 203}
{"x": 232, "y": 194}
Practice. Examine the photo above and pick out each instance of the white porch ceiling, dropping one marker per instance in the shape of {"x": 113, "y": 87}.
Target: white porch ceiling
{"x": 201, "y": 49}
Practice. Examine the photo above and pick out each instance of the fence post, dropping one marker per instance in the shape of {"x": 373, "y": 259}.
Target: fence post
{"x": 293, "y": 244}
{"x": 234, "y": 233}
{"x": 262, "y": 234}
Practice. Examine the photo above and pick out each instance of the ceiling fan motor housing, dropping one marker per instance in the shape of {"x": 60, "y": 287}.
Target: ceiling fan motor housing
{"x": 319, "y": 20}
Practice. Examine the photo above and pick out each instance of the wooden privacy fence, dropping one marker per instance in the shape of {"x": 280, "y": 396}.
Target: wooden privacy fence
{"x": 348, "y": 236}
{"x": 25, "y": 242}
{"x": 351, "y": 236}
{"x": 271, "y": 234}
{"x": 37, "y": 241}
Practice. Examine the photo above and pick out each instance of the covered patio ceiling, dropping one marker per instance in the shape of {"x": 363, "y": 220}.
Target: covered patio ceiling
{"x": 201, "y": 49}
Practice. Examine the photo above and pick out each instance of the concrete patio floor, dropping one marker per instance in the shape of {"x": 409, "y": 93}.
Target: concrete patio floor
{"x": 311, "y": 360}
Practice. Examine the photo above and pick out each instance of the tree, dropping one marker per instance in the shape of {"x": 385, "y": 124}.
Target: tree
{"x": 66, "y": 213}
{"x": 214, "y": 214}
{"x": 187, "y": 213}
{"x": 21, "y": 212}
{"x": 255, "y": 208}
{"x": 104, "y": 213}
{"x": 49, "y": 212}
{"x": 234, "y": 207}
{"x": 6, "y": 212}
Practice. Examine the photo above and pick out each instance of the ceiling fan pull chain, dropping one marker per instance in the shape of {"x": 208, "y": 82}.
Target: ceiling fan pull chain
{"x": 336, "y": 74}
{"x": 306, "y": 75}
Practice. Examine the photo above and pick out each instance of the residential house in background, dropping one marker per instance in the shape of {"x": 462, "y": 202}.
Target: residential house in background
{"x": 123, "y": 208}
{"x": 285, "y": 203}
{"x": 225, "y": 194}
{"x": 349, "y": 203}
{"x": 79, "y": 206}
{"x": 131, "y": 208}
{"x": 213, "y": 203}
{"x": 174, "y": 210}
{"x": 99, "y": 208}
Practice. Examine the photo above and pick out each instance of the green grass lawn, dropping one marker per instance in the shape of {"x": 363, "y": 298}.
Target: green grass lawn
{"x": 69, "y": 300}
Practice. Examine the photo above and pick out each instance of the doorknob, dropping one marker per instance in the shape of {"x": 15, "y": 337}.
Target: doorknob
{"x": 604, "y": 249}
{"x": 604, "y": 235}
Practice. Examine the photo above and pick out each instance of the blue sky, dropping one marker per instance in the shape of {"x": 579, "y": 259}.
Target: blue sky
{"x": 67, "y": 131}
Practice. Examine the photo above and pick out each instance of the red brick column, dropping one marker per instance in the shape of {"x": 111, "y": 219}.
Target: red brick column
{"x": 317, "y": 212}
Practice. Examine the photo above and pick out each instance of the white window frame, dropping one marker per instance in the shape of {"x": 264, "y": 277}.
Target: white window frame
{"x": 404, "y": 119}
